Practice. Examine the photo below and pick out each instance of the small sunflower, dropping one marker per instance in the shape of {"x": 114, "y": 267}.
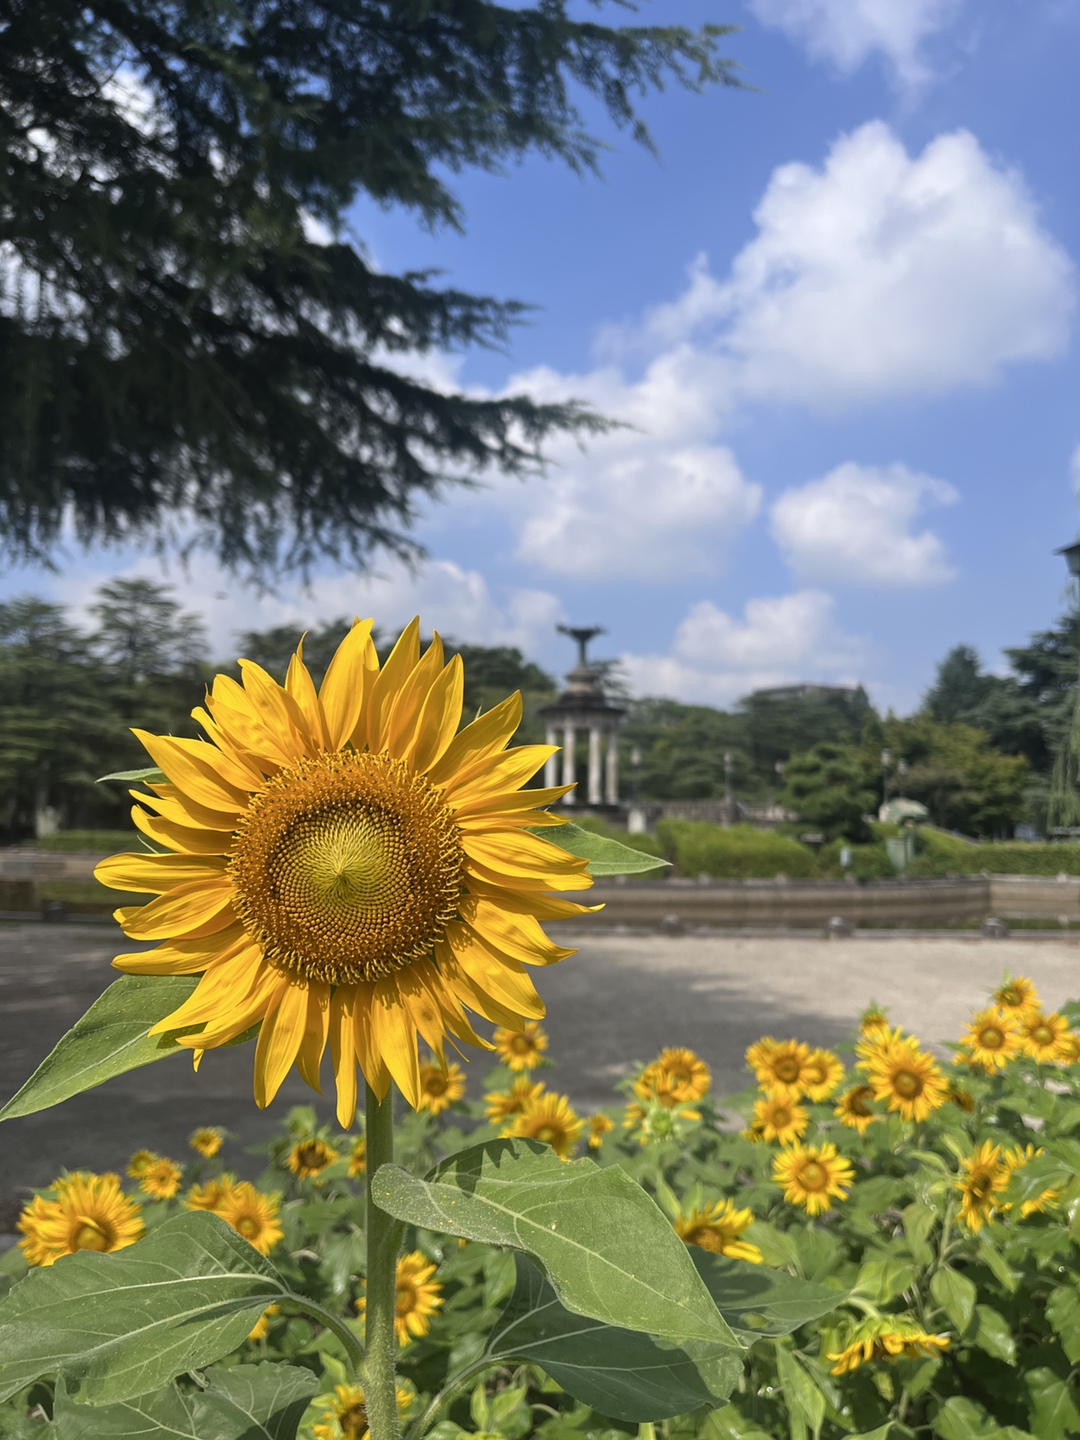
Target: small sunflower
{"x": 599, "y": 1126}
{"x": 655, "y": 1086}
{"x": 812, "y": 1176}
{"x": 824, "y": 1073}
{"x": 754, "y": 1133}
{"x": 87, "y": 1212}
{"x": 908, "y": 1079}
{"x": 784, "y": 1069}
{"x": 252, "y": 1215}
{"x": 346, "y": 867}
{"x": 440, "y": 1086}
{"x": 1016, "y": 996}
{"x": 992, "y": 1039}
{"x": 982, "y": 1178}
{"x": 872, "y": 1020}
{"x": 500, "y": 1105}
{"x": 309, "y": 1158}
{"x": 853, "y": 1108}
{"x": 887, "y": 1337}
{"x": 346, "y": 1415}
{"x": 140, "y": 1162}
{"x": 358, "y": 1158}
{"x": 161, "y": 1179}
{"x": 677, "y": 1072}
{"x": 781, "y": 1120}
{"x": 261, "y": 1327}
{"x": 717, "y": 1228}
{"x": 209, "y": 1195}
{"x": 521, "y": 1049}
{"x": 1046, "y": 1038}
{"x": 418, "y": 1297}
{"x": 551, "y": 1120}
{"x": 207, "y": 1141}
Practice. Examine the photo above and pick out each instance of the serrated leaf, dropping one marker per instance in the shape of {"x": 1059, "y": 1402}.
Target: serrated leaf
{"x": 758, "y": 1302}
{"x": 605, "y": 857}
{"x": 116, "y": 1326}
{"x": 621, "y": 1373}
{"x": 241, "y": 1402}
{"x": 150, "y": 776}
{"x": 604, "y": 1245}
{"x": 956, "y": 1295}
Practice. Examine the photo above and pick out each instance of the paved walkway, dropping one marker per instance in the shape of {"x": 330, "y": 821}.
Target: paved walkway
{"x": 619, "y": 1000}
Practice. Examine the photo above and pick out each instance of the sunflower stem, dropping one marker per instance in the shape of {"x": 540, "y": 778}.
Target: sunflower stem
{"x": 383, "y": 1242}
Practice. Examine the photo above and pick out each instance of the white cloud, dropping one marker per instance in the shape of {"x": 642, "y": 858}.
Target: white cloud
{"x": 848, "y": 32}
{"x": 854, "y": 526}
{"x": 877, "y": 276}
{"x": 716, "y": 658}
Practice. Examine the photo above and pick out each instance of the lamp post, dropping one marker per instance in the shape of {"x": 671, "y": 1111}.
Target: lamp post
{"x": 901, "y": 771}
{"x": 886, "y": 761}
{"x": 635, "y": 766}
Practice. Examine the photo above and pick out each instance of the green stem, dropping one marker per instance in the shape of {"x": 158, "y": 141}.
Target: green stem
{"x": 457, "y": 1382}
{"x": 383, "y": 1242}
{"x": 349, "y": 1343}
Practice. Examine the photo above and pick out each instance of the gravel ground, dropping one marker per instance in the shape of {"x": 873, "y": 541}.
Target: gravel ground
{"x": 619, "y": 1000}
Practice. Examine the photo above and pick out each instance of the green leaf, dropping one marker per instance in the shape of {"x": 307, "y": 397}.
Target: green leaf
{"x": 919, "y": 1221}
{"x": 605, "y": 857}
{"x": 606, "y": 1248}
{"x": 1042, "y": 1172}
{"x": 116, "y": 1326}
{"x": 956, "y": 1295}
{"x": 963, "y": 1419}
{"x": 882, "y": 1280}
{"x": 993, "y": 1334}
{"x": 242, "y": 1402}
{"x": 621, "y": 1373}
{"x": 881, "y": 1433}
{"x": 800, "y": 1390}
{"x": 757, "y": 1301}
{"x": 1063, "y": 1312}
{"x": 150, "y": 776}
{"x": 1053, "y": 1411}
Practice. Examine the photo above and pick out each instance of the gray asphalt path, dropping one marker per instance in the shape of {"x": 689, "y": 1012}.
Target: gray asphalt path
{"x": 620, "y": 999}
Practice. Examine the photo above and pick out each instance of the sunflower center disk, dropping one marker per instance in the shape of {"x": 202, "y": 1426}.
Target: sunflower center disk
{"x": 90, "y": 1236}
{"x": 347, "y": 867}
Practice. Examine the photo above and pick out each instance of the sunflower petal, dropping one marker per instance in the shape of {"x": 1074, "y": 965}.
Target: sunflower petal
{"x": 502, "y": 977}
{"x": 279, "y": 1040}
{"x": 235, "y": 764}
{"x": 439, "y": 718}
{"x": 301, "y": 687}
{"x": 483, "y": 737}
{"x": 278, "y": 710}
{"x": 473, "y": 994}
{"x": 154, "y": 874}
{"x": 343, "y": 1053}
{"x": 371, "y": 1063}
{"x": 226, "y": 986}
{"x": 192, "y": 766}
{"x": 172, "y": 804}
{"x": 400, "y": 722}
{"x": 348, "y": 677}
{"x": 184, "y": 839}
{"x": 395, "y": 1038}
{"x": 185, "y": 958}
{"x": 400, "y": 663}
{"x": 519, "y": 936}
{"x": 495, "y": 775}
{"x": 519, "y": 856}
{"x": 202, "y": 907}
{"x": 309, "y": 1056}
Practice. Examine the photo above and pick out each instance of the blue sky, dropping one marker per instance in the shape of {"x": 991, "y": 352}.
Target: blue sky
{"x": 839, "y": 312}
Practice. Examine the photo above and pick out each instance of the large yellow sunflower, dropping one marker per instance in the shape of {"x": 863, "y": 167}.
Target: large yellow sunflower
{"x": 550, "y": 1119}
{"x": 908, "y": 1079}
{"x": 676, "y": 1072}
{"x": 252, "y": 1215}
{"x": 346, "y": 866}
{"x": 782, "y": 1120}
{"x": 418, "y": 1297}
{"x": 783, "y": 1067}
{"x": 1016, "y": 995}
{"x": 1046, "y": 1038}
{"x": 812, "y": 1175}
{"x": 717, "y": 1228}
{"x": 88, "y": 1212}
{"x": 992, "y": 1039}
{"x": 982, "y": 1178}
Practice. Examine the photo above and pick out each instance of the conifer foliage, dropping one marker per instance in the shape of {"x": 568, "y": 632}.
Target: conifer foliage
{"x": 192, "y": 343}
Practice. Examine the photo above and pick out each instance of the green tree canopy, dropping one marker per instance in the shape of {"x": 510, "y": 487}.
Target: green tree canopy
{"x": 181, "y": 353}
{"x": 826, "y": 787}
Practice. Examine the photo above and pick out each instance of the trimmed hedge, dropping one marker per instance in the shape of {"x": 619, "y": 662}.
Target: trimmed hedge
{"x": 735, "y": 852}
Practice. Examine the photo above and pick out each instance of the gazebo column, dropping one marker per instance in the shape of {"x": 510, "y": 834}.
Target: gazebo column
{"x": 569, "y": 764}
{"x": 595, "y": 765}
{"x": 612, "y": 776}
{"x": 551, "y": 765}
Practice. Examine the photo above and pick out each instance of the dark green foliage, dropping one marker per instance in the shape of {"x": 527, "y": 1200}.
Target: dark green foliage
{"x": 682, "y": 751}
{"x": 779, "y": 726}
{"x": 180, "y": 356}
{"x": 734, "y": 852}
{"x": 827, "y": 789}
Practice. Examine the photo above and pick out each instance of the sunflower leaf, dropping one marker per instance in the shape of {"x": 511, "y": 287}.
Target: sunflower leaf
{"x": 757, "y": 1301}
{"x": 606, "y": 1248}
{"x": 605, "y": 857}
{"x": 239, "y": 1403}
{"x": 113, "y": 1327}
{"x": 110, "y": 1039}
{"x": 150, "y": 776}
{"x": 621, "y": 1373}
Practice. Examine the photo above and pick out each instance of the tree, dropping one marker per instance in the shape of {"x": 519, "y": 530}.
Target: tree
{"x": 142, "y": 632}
{"x": 780, "y": 725}
{"x": 825, "y": 787}
{"x": 190, "y": 341}
{"x": 960, "y": 688}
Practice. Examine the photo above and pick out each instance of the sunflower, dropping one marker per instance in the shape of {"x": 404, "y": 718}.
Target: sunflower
{"x": 550, "y": 1120}
{"x": 717, "y": 1228}
{"x": 824, "y": 1072}
{"x": 500, "y": 1105}
{"x": 1016, "y": 996}
{"x": 358, "y": 1158}
{"x": 345, "y": 865}
{"x": 781, "y": 1120}
{"x": 161, "y": 1180}
{"x": 677, "y": 1072}
{"x": 1046, "y": 1038}
{"x": 88, "y": 1212}
{"x": 992, "y": 1039}
{"x": 210, "y": 1194}
{"x": 887, "y": 1337}
{"x": 853, "y": 1108}
{"x": 520, "y": 1049}
{"x": 309, "y": 1158}
{"x": 654, "y": 1086}
{"x": 346, "y": 1415}
{"x": 872, "y": 1020}
{"x": 811, "y": 1175}
{"x": 440, "y": 1086}
{"x": 982, "y": 1178}
{"x": 783, "y": 1069}
{"x": 262, "y": 1326}
{"x": 599, "y": 1126}
{"x": 140, "y": 1162}
{"x": 754, "y": 1133}
{"x": 908, "y": 1079}
{"x": 207, "y": 1141}
{"x": 418, "y": 1297}
{"x": 252, "y": 1215}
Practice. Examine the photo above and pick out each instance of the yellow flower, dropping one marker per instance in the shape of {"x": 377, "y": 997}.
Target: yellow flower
{"x": 993, "y": 1039}
{"x": 160, "y": 1180}
{"x": 599, "y": 1126}
{"x": 853, "y": 1108}
{"x": 358, "y": 1158}
{"x": 1015, "y": 1159}
{"x": 872, "y": 1020}
{"x": 550, "y": 1120}
{"x": 982, "y": 1178}
{"x": 311, "y": 1157}
{"x": 500, "y": 1105}
{"x": 521, "y": 1049}
{"x": 207, "y": 1140}
{"x": 754, "y": 1132}
{"x": 824, "y": 1072}
{"x": 345, "y": 866}
{"x": 259, "y": 1330}
{"x": 88, "y": 1212}
{"x": 418, "y": 1297}
{"x": 1017, "y": 996}
{"x": 782, "y": 1067}
{"x": 887, "y": 1337}
{"x": 440, "y": 1086}
{"x": 346, "y": 1417}
{"x": 140, "y": 1162}
{"x": 675, "y": 1072}
{"x": 252, "y": 1215}
{"x": 811, "y": 1175}
{"x": 1046, "y": 1038}
{"x": 209, "y": 1195}
{"x": 717, "y": 1227}
{"x": 963, "y": 1099}
{"x": 781, "y": 1120}
{"x": 655, "y": 1086}
{"x": 906, "y": 1078}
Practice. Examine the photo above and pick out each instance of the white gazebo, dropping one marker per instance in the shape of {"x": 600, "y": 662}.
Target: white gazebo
{"x": 583, "y": 707}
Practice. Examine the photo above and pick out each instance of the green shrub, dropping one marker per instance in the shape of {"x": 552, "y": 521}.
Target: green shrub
{"x": 738, "y": 852}
{"x": 97, "y": 842}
